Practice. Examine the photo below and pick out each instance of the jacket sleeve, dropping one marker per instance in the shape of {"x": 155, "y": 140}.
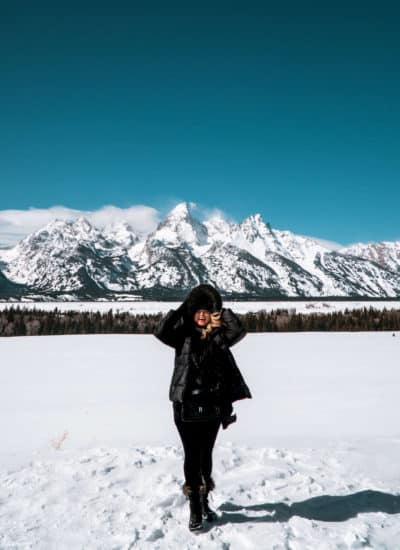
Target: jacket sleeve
{"x": 233, "y": 330}
{"x": 171, "y": 328}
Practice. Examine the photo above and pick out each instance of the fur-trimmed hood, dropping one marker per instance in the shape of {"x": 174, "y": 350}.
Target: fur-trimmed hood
{"x": 203, "y": 296}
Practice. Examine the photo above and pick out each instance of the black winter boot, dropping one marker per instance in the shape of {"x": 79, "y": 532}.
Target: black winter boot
{"x": 195, "y": 520}
{"x": 207, "y": 513}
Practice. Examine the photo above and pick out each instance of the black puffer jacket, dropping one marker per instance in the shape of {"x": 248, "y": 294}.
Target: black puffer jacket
{"x": 175, "y": 331}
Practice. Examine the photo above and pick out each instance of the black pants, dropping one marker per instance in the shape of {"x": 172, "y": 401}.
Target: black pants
{"x": 198, "y": 440}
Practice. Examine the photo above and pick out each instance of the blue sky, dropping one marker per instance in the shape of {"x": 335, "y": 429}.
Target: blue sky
{"x": 292, "y": 115}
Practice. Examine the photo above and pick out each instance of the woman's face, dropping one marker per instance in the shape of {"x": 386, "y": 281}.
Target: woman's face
{"x": 202, "y": 317}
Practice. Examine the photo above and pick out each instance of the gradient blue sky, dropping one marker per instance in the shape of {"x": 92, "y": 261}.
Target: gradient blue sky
{"x": 295, "y": 115}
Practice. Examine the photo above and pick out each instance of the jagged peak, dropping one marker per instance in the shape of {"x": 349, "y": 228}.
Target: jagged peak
{"x": 59, "y": 223}
{"x": 62, "y": 228}
{"x": 181, "y": 210}
{"x": 56, "y": 225}
{"x": 180, "y": 226}
{"x": 254, "y": 219}
{"x": 254, "y": 226}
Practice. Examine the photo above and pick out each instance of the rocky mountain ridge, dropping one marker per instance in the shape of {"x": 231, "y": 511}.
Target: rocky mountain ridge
{"x": 248, "y": 260}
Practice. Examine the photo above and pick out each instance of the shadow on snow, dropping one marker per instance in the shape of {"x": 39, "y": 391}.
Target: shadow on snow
{"x": 321, "y": 508}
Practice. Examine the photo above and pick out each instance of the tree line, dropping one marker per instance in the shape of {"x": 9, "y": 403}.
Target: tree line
{"x": 22, "y": 321}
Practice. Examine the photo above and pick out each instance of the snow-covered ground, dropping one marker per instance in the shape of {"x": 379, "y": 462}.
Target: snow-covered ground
{"x": 90, "y": 457}
{"x": 239, "y": 307}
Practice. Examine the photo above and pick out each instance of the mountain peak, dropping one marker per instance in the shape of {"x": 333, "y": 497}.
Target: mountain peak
{"x": 59, "y": 224}
{"x": 254, "y": 219}
{"x": 181, "y": 227}
{"x": 181, "y": 210}
{"x": 254, "y": 226}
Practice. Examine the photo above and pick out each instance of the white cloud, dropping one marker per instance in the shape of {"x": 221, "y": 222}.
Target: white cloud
{"x": 16, "y": 224}
{"x": 210, "y": 213}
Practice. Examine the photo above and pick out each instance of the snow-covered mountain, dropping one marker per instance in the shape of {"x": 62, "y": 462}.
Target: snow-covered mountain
{"x": 250, "y": 259}
{"x": 385, "y": 253}
{"x": 71, "y": 256}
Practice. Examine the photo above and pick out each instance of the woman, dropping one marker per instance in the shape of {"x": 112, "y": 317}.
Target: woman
{"x": 205, "y": 382}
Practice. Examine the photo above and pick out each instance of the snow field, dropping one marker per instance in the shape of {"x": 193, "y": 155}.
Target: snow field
{"x": 154, "y": 307}
{"x": 265, "y": 497}
{"x": 90, "y": 457}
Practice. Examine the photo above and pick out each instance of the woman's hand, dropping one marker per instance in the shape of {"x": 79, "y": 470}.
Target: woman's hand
{"x": 216, "y": 319}
{"x": 234, "y": 330}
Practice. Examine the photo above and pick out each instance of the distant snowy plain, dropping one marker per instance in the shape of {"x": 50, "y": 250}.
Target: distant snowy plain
{"x": 90, "y": 457}
{"x": 139, "y": 306}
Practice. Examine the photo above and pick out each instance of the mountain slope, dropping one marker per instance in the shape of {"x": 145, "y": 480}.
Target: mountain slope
{"x": 385, "y": 254}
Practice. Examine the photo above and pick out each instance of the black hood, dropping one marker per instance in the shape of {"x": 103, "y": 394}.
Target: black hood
{"x": 204, "y": 296}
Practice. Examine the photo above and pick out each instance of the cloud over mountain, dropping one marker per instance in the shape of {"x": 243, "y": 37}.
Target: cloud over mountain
{"x": 17, "y": 224}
